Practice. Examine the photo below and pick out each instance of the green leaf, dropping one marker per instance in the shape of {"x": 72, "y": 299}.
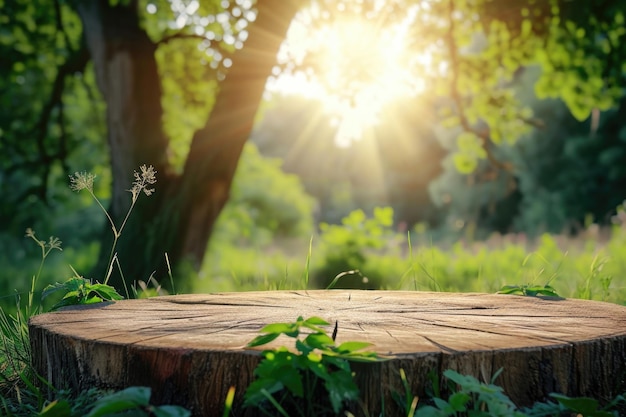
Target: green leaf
{"x": 430, "y": 411}
{"x": 313, "y": 358}
{"x": 304, "y": 348}
{"x": 292, "y": 380}
{"x": 65, "y": 302}
{"x": 316, "y": 321}
{"x": 170, "y": 411}
{"x": 319, "y": 340}
{"x": 56, "y": 409}
{"x": 548, "y": 290}
{"x": 313, "y": 323}
{"x": 468, "y": 382}
{"x": 510, "y": 289}
{"x": 262, "y": 339}
{"x": 339, "y": 363}
{"x": 128, "y": 399}
{"x": 106, "y": 292}
{"x": 92, "y": 299}
{"x": 280, "y": 328}
{"x": 341, "y": 387}
{"x": 72, "y": 284}
{"x": 353, "y": 346}
{"x": 254, "y": 393}
{"x": 443, "y": 405}
{"x": 267, "y": 367}
{"x": 458, "y": 401}
{"x": 583, "y": 405}
{"x": 464, "y": 163}
{"x": 319, "y": 369}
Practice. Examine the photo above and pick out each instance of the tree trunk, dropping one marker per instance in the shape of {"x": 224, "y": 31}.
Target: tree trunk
{"x": 191, "y": 348}
{"x": 179, "y": 218}
{"x": 215, "y": 149}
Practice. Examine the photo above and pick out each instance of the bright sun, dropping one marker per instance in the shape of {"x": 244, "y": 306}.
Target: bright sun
{"x": 355, "y": 66}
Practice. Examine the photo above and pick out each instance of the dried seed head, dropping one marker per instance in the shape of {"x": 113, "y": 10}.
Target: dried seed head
{"x": 81, "y": 181}
{"x": 143, "y": 179}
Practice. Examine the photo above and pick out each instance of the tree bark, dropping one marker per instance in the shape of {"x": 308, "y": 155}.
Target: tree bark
{"x": 191, "y": 348}
{"x": 215, "y": 149}
{"x": 179, "y": 218}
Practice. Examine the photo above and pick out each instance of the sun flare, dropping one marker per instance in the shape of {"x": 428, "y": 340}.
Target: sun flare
{"x": 354, "y": 64}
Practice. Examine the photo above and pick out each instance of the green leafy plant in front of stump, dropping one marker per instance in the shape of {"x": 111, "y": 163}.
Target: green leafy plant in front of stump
{"x": 472, "y": 398}
{"x": 293, "y": 382}
{"x": 133, "y": 401}
{"x": 578, "y": 406}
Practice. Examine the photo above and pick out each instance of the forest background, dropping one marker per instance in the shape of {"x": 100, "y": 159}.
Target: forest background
{"x": 464, "y": 183}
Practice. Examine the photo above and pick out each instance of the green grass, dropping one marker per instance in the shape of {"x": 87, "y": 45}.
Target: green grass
{"x": 576, "y": 267}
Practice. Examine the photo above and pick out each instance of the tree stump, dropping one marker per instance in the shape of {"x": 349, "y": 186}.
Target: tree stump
{"x": 191, "y": 348}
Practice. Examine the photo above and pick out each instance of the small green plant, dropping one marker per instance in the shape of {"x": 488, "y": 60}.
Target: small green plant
{"x": 313, "y": 379}
{"x": 134, "y": 401}
{"x": 529, "y": 290}
{"x": 79, "y": 290}
{"x": 532, "y": 289}
{"x": 579, "y": 406}
{"x": 471, "y": 397}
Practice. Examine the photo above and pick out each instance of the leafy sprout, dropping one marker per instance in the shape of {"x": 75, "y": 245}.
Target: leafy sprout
{"x": 317, "y": 369}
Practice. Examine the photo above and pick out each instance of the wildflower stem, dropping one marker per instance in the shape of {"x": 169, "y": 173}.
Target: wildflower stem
{"x": 106, "y": 213}
{"x": 84, "y": 181}
{"x": 128, "y": 214}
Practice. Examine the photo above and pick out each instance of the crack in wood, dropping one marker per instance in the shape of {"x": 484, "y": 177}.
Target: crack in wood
{"x": 226, "y": 304}
{"x": 392, "y": 336}
{"x": 542, "y": 339}
{"x": 439, "y": 345}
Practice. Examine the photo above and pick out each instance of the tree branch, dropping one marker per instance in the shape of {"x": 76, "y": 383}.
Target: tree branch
{"x": 181, "y": 35}
{"x": 76, "y": 62}
{"x": 59, "y": 24}
{"x": 483, "y": 134}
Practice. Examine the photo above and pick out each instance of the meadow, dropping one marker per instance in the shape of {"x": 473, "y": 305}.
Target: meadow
{"x": 362, "y": 252}
{"x": 591, "y": 265}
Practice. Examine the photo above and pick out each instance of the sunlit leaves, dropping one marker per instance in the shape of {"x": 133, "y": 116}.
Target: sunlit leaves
{"x": 40, "y": 94}
{"x": 219, "y": 27}
{"x": 580, "y": 57}
{"x": 579, "y": 47}
{"x": 469, "y": 151}
{"x": 296, "y": 373}
{"x": 189, "y": 87}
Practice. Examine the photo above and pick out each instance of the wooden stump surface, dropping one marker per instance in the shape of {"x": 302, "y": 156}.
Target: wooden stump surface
{"x": 191, "y": 348}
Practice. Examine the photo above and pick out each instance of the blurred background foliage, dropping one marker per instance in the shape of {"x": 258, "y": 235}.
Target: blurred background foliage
{"x": 458, "y": 190}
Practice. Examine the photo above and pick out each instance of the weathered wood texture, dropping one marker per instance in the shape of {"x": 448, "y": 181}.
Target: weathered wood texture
{"x": 190, "y": 348}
